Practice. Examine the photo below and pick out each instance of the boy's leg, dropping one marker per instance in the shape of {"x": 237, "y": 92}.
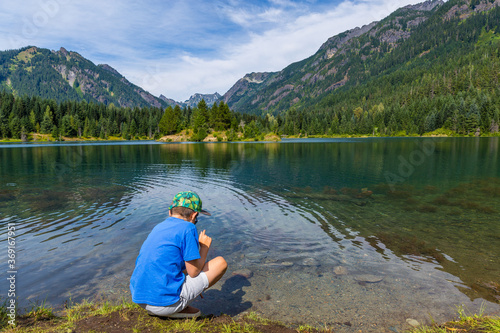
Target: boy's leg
{"x": 215, "y": 269}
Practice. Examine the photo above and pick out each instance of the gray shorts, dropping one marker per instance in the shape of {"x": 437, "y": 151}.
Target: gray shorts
{"x": 191, "y": 288}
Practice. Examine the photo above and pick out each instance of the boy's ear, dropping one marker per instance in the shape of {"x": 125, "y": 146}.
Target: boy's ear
{"x": 193, "y": 216}
{"x": 169, "y": 212}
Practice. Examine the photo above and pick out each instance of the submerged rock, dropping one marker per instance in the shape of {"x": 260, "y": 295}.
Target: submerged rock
{"x": 253, "y": 256}
{"x": 309, "y": 262}
{"x": 368, "y": 278}
{"x": 246, "y": 273}
{"x": 340, "y": 270}
{"x": 287, "y": 263}
{"x": 412, "y": 322}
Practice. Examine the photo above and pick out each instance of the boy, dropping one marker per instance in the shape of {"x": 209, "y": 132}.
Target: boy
{"x": 170, "y": 271}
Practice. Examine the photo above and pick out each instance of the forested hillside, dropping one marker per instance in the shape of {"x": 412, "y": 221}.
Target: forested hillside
{"x": 428, "y": 66}
{"x": 67, "y": 76}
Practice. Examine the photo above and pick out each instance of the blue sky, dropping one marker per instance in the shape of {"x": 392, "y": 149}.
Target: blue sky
{"x": 178, "y": 48}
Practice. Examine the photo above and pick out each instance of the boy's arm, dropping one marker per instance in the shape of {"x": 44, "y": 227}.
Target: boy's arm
{"x": 194, "y": 267}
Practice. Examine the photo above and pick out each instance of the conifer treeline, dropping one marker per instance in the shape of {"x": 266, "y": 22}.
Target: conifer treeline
{"x": 20, "y": 116}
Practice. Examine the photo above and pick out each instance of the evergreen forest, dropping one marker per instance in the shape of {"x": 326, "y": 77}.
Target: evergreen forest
{"x": 22, "y": 117}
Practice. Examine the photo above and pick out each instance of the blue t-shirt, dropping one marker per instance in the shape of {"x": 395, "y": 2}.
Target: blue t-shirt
{"x": 157, "y": 278}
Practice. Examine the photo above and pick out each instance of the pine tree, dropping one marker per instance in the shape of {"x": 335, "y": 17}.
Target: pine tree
{"x": 199, "y": 121}
{"x": 133, "y": 129}
{"x": 15, "y": 127}
{"x": 169, "y": 121}
{"x": 47, "y": 122}
{"x": 55, "y": 132}
{"x": 86, "y": 128}
{"x": 33, "y": 119}
{"x": 125, "y": 133}
{"x": 203, "y": 109}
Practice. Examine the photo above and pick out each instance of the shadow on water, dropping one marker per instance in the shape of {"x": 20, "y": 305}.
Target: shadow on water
{"x": 228, "y": 300}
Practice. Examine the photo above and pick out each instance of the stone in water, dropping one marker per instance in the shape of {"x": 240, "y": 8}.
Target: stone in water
{"x": 412, "y": 322}
{"x": 246, "y": 273}
{"x": 340, "y": 270}
{"x": 309, "y": 262}
{"x": 369, "y": 278}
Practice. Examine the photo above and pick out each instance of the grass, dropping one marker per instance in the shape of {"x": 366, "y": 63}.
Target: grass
{"x": 126, "y": 316}
{"x": 41, "y": 311}
{"x": 88, "y": 316}
{"x": 467, "y": 322}
{"x": 441, "y": 132}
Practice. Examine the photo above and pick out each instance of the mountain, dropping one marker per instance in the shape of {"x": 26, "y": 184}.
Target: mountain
{"x": 193, "y": 101}
{"x": 414, "y": 37}
{"x": 63, "y": 75}
{"x": 210, "y": 99}
{"x": 169, "y": 101}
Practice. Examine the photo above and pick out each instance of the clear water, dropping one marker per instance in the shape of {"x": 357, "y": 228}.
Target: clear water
{"x": 358, "y": 234}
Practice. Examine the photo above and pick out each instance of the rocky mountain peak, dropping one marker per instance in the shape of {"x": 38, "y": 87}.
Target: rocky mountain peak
{"x": 210, "y": 99}
{"x": 425, "y": 6}
{"x": 63, "y": 51}
{"x": 110, "y": 69}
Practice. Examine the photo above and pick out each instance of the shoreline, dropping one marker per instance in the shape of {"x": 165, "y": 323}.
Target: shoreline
{"x": 126, "y": 316}
{"x": 179, "y": 138}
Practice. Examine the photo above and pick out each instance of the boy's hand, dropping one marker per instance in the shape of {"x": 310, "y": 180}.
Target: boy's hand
{"x": 204, "y": 239}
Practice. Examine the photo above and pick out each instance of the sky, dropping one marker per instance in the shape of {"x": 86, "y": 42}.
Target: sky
{"x": 178, "y": 48}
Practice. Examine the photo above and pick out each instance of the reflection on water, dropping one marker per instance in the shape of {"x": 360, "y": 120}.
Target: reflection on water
{"x": 351, "y": 233}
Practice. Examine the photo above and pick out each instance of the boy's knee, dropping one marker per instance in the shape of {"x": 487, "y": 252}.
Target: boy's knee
{"x": 221, "y": 263}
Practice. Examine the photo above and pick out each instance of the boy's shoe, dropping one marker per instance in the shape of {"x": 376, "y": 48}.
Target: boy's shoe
{"x": 188, "y": 312}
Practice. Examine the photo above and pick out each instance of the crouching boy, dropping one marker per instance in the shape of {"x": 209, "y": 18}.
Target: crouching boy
{"x": 171, "y": 269}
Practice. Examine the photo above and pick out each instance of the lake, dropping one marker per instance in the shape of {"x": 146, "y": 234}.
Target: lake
{"x": 357, "y": 234}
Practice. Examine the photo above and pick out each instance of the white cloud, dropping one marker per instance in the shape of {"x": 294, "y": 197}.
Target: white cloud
{"x": 271, "y": 50}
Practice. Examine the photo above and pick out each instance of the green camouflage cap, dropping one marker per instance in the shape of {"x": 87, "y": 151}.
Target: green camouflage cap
{"x": 188, "y": 199}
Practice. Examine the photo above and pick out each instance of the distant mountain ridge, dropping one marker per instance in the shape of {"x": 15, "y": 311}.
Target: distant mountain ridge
{"x": 210, "y": 99}
{"x": 193, "y": 101}
{"x": 66, "y": 75}
{"x": 349, "y": 59}
{"x": 329, "y": 68}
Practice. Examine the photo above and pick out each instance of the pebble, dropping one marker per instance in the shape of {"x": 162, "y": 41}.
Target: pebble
{"x": 412, "y": 322}
{"x": 368, "y": 278}
{"x": 271, "y": 265}
{"x": 253, "y": 256}
{"x": 246, "y": 273}
{"x": 340, "y": 270}
{"x": 269, "y": 261}
{"x": 287, "y": 263}
{"x": 309, "y": 262}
